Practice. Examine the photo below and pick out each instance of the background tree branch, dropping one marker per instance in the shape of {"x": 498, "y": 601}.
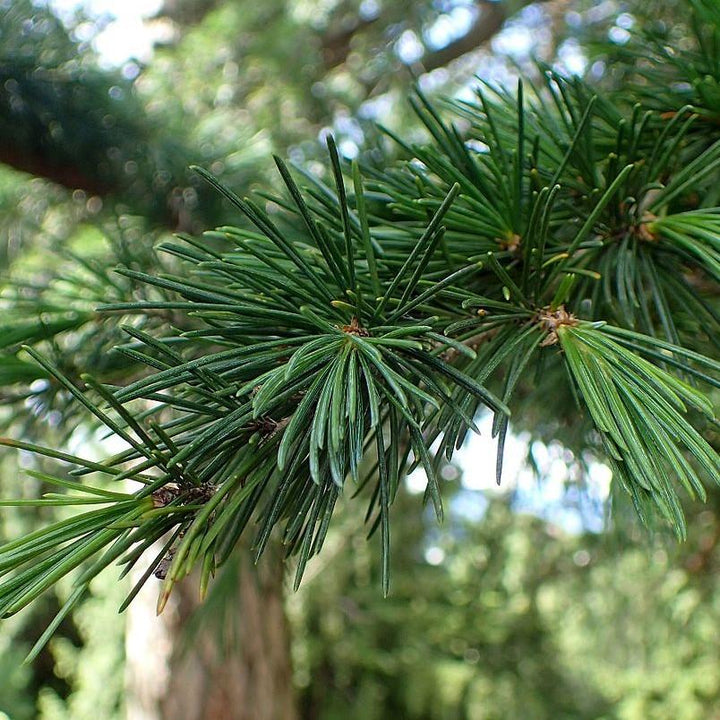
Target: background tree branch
{"x": 491, "y": 18}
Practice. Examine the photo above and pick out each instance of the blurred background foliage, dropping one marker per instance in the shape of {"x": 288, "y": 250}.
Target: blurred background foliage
{"x": 501, "y": 613}
{"x": 510, "y": 617}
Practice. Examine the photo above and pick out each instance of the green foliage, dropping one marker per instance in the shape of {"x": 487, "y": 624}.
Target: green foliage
{"x": 467, "y": 638}
{"x": 519, "y": 621}
{"x": 93, "y": 665}
{"x": 349, "y": 330}
{"x": 638, "y": 409}
{"x": 677, "y": 79}
{"x": 87, "y": 128}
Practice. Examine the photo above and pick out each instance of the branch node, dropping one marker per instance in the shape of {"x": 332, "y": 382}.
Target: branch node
{"x": 551, "y": 319}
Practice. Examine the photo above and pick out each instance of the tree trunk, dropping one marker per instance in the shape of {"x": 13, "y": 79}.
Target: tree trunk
{"x": 234, "y": 661}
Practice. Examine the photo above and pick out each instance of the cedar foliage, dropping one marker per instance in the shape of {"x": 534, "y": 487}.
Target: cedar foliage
{"x": 556, "y": 241}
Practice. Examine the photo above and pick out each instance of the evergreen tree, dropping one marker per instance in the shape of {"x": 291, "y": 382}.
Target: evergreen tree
{"x": 549, "y": 255}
